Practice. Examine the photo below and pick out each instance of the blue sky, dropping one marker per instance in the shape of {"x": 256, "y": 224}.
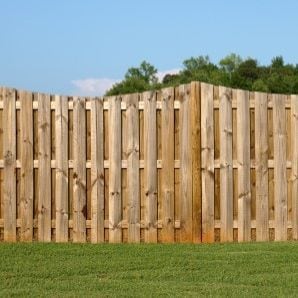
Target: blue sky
{"x": 82, "y": 47}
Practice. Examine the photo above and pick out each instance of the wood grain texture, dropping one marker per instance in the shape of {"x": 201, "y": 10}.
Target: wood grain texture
{"x": 207, "y": 143}
{"x": 226, "y": 166}
{"x": 44, "y": 168}
{"x": 280, "y": 175}
{"x": 243, "y": 160}
{"x": 261, "y": 151}
{"x": 79, "y": 170}
{"x": 294, "y": 180}
{"x": 133, "y": 165}
{"x": 115, "y": 200}
{"x": 97, "y": 171}
{"x": 185, "y": 164}
{"x": 167, "y": 171}
{"x": 195, "y": 98}
{"x": 26, "y": 192}
{"x": 150, "y": 169}
{"x": 9, "y": 155}
{"x": 62, "y": 208}
{"x": 176, "y": 165}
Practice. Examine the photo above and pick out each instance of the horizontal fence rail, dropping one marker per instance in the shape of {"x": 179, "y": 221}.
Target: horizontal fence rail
{"x": 195, "y": 163}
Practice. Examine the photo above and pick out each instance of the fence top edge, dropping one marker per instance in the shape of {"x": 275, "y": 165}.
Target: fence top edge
{"x": 139, "y": 94}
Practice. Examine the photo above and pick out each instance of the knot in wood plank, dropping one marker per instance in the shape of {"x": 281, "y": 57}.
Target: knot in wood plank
{"x": 8, "y": 158}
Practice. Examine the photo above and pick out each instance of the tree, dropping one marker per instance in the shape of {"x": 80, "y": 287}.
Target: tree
{"x": 195, "y": 63}
{"x": 197, "y": 69}
{"x": 171, "y": 80}
{"x": 145, "y": 72}
{"x": 260, "y": 85}
{"x": 231, "y": 71}
{"x": 136, "y": 79}
{"x": 230, "y": 63}
{"x": 277, "y": 62}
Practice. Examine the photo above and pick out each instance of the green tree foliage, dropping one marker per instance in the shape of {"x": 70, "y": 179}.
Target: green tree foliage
{"x": 137, "y": 79}
{"x": 230, "y": 64}
{"x": 231, "y": 71}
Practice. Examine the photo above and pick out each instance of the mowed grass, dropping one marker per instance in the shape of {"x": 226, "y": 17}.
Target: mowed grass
{"x": 70, "y": 270}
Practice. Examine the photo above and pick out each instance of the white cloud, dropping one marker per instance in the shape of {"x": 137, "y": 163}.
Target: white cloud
{"x": 161, "y": 74}
{"x": 92, "y": 86}
{"x": 99, "y": 86}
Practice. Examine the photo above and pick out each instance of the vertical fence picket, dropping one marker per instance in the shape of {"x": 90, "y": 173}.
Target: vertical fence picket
{"x": 115, "y": 198}
{"x": 207, "y": 144}
{"x": 280, "y": 175}
{"x": 185, "y": 164}
{"x": 195, "y": 103}
{"x": 226, "y": 164}
{"x": 97, "y": 171}
{"x": 9, "y": 153}
{"x": 243, "y": 158}
{"x": 167, "y": 171}
{"x": 261, "y": 147}
{"x": 79, "y": 170}
{"x": 150, "y": 169}
{"x": 133, "y": 167}
{"x": 294, "y": 145}
{"x": 26, "y": 195}
{"x": 44, "y": 168}
{"x": 61, "y": 127}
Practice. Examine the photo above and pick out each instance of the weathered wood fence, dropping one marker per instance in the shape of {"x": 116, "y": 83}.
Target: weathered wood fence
{"x": 196, "y": 163}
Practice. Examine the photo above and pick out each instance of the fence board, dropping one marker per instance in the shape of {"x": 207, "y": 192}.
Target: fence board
{"x": 115, "y": 233}
{"x": 243, "y": 157}
{"x": 44, "y": 165}
{"x": 226, "y": 164}
{"x": 124, "y": 185}
{"x": 79, "y": 170}
{"x": 9, "y": 153}
{"x": 294, "y": 145}
{"x": 167, "y": 171}
{"x": 61, "y": 127}
{"x": 207, "y": 143}
{"x": 97, "y": 171}
{"x": 26, "y": 195}
{"x": 196, "y": 162}
{"x": 150, "y": 169}
{"x": 185, "y": 164}
{"x": 261, "y": 151}
{"x": 133, "y": 176}
{"x": 280, "y": 178}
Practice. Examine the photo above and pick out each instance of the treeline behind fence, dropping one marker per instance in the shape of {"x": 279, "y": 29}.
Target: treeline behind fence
{"x": 195, "y": 163}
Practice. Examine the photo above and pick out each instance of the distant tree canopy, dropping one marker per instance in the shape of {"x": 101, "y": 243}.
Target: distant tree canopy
{"x": 231, "y": 71}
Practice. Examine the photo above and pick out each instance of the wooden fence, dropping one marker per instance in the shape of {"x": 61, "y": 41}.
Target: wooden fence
{"x": 196, "y": 163}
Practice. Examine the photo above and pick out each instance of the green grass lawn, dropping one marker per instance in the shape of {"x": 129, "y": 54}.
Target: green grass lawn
{"x": 268, "y": 269}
